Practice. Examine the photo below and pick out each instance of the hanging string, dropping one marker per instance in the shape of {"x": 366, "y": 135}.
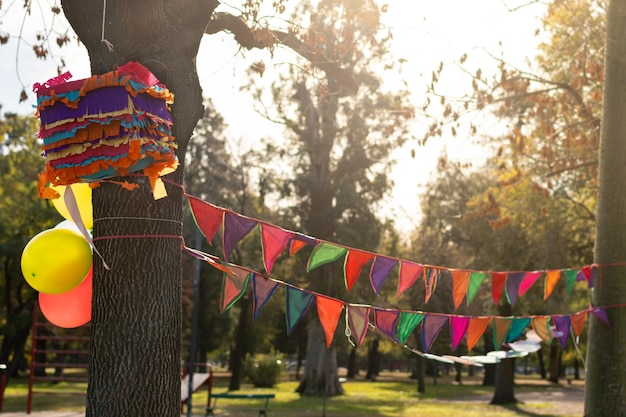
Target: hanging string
{"x": 108, "y": 44}
{"x": 348, "y": 331}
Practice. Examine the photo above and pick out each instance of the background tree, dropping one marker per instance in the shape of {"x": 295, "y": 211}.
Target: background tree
{"x": 337, "y": 147}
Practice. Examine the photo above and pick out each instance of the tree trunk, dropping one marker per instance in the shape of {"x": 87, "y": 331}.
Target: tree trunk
{"x": 353, "y": 369}
{"x": 542, "y": 365}
{"x": 373, "y": 361}
{"x": 136, "y": 317}
{"x": 605, "y": 390}
{"x": 320, "y": 373}
{"x": 489, "y": 378}
{"x": 555, "y": 362}
{"x": 505, "y": 373}
{"x": 421, "y": 374}
{"x": 239, "y": 349}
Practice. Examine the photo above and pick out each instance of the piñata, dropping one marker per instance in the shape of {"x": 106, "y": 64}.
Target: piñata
{"x": 105, "y": 126}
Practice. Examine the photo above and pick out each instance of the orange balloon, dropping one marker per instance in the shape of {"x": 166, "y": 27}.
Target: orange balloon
{"x": 69, "y": 309}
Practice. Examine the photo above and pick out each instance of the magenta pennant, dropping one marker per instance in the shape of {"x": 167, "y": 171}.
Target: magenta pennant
{"x": 458, "y": 329}
{"x": 359, "y": 318}
{"x": 513, "y": 282}
{"x": 409, "y": 274}
{"x": 273, "y": 241}
{"x": 562, "y": 324}
{"x": 236, "y": 227}
{"x": 431, "y": 326}
{"x": 233, "y": 286}
{"x": 263, "y": 289}
{"x": 529, "y": 280}
{"x": 207, "y": 217}
{"x": 297, "y": 302}
{"x": 385, "y": 321}
{"x": 381, "y": 267}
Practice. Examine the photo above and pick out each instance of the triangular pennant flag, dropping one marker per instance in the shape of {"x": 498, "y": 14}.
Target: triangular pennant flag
{"x": 501, "y": 326}
{"x": 207, "y": 217}
{"x": 409, "y": 273}
{"x": 562, "y": 324}
{"x": 323, "y": 253}
{"x": 273, "y": 241}
{"x": 385, "y": 321}
{"x": 297, "y": 302}
{"x": 431, "y": 279}
{"x": 381, "y": 267}
{"x": 476, "y": 281}
{"x": 236, "y": 227}
{"x": 552, "y": 278}
{"x": 541, "y": 325}
{"x": 570, "y": 276}
{"x": 460, "y": 282}
{"x": 578, "y": 322}
{"x": 458, "y": 329}
{"x": 263, "y": 289}
{"x": 353, "y": 264}
{"x": 431, "y": 326}
{"x": 475, "y": 330}
{"x": 600, "y": 313}
{"x": 517, "y": 328}
{"x": 408, "y": 322}
{"x": 295, "y": 246}
{"x": 498, "y": 279}
{"x": 586, "y": 274}
{"x": 328, "y": 311}
{"x": 359, "y": 318}
{"x": 307, "y": 240}
{"x": 513, "y": 282}
{"x": 529, "y": 280}
{"x": 233, "y": 286}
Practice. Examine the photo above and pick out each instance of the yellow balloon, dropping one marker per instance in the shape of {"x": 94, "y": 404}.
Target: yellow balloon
{"x": 82, "y": 192}
{"x": 56, "y": 261}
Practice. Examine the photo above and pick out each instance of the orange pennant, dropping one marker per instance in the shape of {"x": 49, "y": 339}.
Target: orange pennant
{"x": 541, "y": 325}
{"x": 552, "y": 278}
{"x": 477, "y": 327}
{"x": 328, "y": 311}
{"x": 578, "y": 322}
{"x": 460, "y": 283}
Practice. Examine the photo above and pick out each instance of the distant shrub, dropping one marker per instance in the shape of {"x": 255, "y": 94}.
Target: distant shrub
{"x": 263, "y": 370}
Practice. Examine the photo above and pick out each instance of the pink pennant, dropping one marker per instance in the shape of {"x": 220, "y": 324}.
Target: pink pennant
{"x": 409, "y": 273}
{"x": 273, "y": 241}
{"x": 207, "y": 217}
{"x": 528, "y": 281}
{"x": 458, "y": 329}
{"x": 498, "y": 279}
{"x": 353, "y": 264}
{"x": 359, "y": 318}
{"x": 328, "y": 311}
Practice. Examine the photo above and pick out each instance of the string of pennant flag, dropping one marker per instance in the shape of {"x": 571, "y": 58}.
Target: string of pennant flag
{"x": 465, "y": 283}
{"x": 395, "y": 324}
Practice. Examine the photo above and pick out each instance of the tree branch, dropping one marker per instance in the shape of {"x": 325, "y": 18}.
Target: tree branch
{"x": 245, "y": 36}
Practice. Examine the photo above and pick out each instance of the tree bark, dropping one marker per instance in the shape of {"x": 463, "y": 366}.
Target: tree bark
{"x": 320, "y": 373}
{"x": 605, "y": 387}
{"x": 353, "y": 369}
{"x": 555, "y": 362}
{"x": 373, "y": 361}
{"x": 136, "y": 317}
{"x": 505, "y": 373}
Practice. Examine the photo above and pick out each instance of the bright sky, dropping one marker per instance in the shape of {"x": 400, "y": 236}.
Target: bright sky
{"x": 425, "y": 34}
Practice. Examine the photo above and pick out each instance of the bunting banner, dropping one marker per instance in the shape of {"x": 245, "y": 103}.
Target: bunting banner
{"x": 385, "y": 321}
{"x": 501, "y": 327}
{"x": 263, "y": 289}
{"x": 407, "y": 324}
{"x": 328, "y": 310}
{"x": 359, "y": 321}
{"x": 518, "y": 326}
{"x": 475, "y": 330}
{"x": 466, "y": 283}
{"x": 432, "y": 324}
{"x": 297, "y": 302}
{"x": 233, "y": 287}
{"x": 563, "y": 324}
{"x": 458, "y": 329}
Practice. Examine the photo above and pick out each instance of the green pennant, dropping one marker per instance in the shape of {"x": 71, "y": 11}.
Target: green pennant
{"x": 323, "y": 253}
{"x": 476, "y": 280}
{"x": 570, "y": 275}
{"x": 408, "y": 322}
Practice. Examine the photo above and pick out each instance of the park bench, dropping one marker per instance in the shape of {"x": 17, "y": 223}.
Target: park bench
{"x": 210, "y": 411}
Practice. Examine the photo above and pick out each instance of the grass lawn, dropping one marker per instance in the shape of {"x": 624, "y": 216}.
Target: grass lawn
{"x": 392, "y": 395}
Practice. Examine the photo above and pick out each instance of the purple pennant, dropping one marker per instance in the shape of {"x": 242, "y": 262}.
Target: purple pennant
{"x": 236, "y": 227}
{"x": 513, "y": 282}
{"x": 263, "y": 290}
{"x": 380, "y": 269}
{"x": 385, "y": 321}
{"x": 562, "y": 324}
{"x": 297, "y": 302}
{"x": 458, "y": 329}
{"x": 431, "y": 326}
{"x": 600, "y": 313}
{"x": 304, "y": 238}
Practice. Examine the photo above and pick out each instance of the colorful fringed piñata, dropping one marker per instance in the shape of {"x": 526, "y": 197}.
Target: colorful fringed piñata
{"x": 105, "y": 126}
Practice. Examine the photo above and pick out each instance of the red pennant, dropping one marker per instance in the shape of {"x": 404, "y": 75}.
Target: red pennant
{"x": 207, "y": 217}
{"x": 409, "y": 273}
{"x": 460, "y": 282}
{"x": 295, "y": 246}
{"x": 498, "y": 279}
{"x": 273, "y": 241}
{"x": 328, "y": 311}
{"x": 475, "y": 330}
{"x": 353, "y": 264}
{"x": 578, "y": 322}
